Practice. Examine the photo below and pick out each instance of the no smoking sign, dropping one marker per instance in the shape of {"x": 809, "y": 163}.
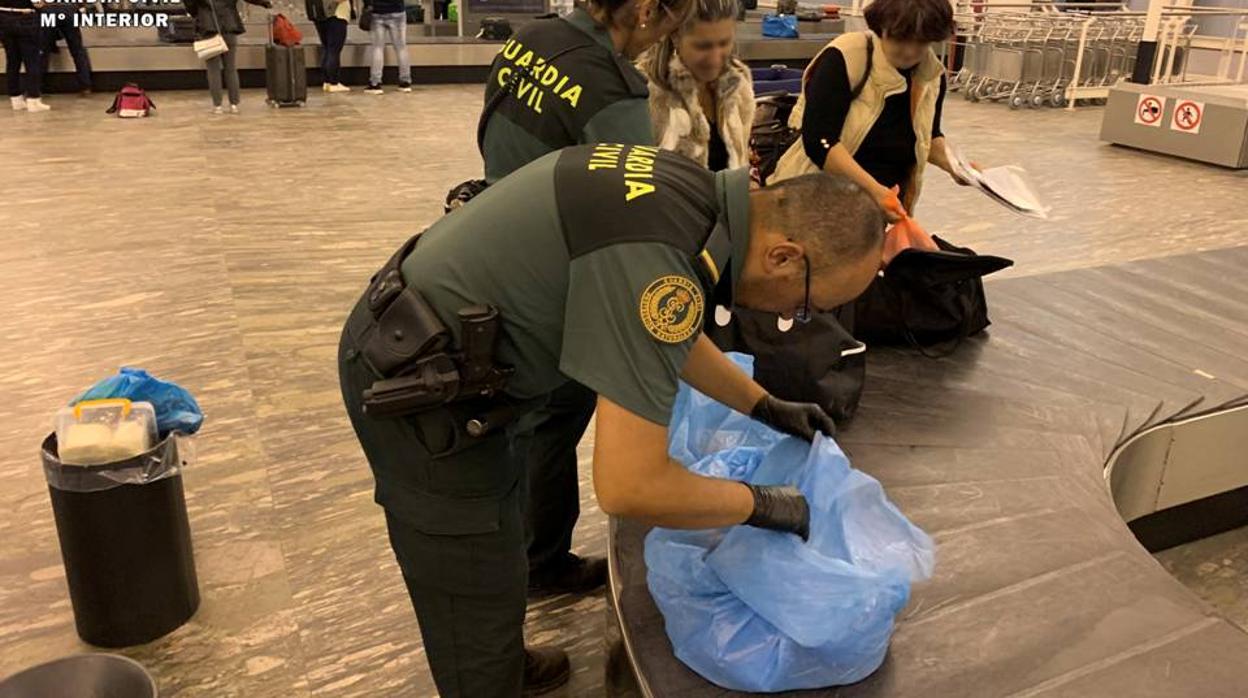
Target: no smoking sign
{"x": 1149, "y": 109}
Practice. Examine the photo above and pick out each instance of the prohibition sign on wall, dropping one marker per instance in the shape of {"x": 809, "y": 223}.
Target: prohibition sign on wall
{"x": 1148, "y": 110}
{"x": 1187, "y": 116}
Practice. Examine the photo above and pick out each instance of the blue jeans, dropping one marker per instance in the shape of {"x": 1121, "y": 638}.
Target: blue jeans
{"x": 333, "y": 33}
{"x": 395, "y": 24}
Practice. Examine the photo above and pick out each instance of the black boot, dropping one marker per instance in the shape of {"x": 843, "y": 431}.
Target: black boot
{"x": 569, "y": 575}
{"x": 545, "y": 669}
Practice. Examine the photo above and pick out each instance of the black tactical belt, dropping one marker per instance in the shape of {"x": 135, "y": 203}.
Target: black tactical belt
{"x": 405, "y": 343}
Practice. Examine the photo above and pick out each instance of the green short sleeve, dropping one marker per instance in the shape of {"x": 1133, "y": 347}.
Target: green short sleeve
{"x": 626, "y": 121}
{"x": 633, "y": 311}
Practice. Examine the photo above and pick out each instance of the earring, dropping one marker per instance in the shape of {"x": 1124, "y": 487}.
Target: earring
{"x": 643, "y": 25}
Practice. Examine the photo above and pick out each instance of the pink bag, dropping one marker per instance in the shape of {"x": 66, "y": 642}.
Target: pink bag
{"x": 131, "y": 102}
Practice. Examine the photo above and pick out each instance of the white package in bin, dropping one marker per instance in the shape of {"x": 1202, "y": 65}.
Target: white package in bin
{"x": 95, "y": 432}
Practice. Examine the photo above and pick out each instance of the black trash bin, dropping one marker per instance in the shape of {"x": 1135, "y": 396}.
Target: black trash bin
{"x": 126, "y": 544}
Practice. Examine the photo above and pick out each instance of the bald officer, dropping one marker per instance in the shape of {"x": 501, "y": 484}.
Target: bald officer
{"x": 597, "y": 264}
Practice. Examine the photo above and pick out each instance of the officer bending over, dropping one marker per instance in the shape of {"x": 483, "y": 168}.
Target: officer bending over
{"x": 596, "y": 264}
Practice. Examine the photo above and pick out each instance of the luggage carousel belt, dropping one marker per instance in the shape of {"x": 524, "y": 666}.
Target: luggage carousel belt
{"x": 999, "y": 453}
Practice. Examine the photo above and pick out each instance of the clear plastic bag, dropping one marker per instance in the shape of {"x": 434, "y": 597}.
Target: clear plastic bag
{"x": 165, "y": 459}
{"x": 756, "y": 610}
{"x": 176, "y": 409}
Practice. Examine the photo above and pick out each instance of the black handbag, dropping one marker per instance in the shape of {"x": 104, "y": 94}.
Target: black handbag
{"x": 366, "y": 19}
{"x": 817, "y": 362}
{"x": 927, "y": 298}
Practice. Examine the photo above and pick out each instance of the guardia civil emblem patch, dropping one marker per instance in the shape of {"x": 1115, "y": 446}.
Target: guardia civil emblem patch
{"x": 671, "y": 309}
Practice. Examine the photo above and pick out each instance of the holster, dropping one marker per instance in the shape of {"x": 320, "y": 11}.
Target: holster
{"x": 403, "y": 325}
{"x": 406, "y": 344}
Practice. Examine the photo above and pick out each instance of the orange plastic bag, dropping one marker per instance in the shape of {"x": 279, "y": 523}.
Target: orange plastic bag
{"x": 906, "y": 234}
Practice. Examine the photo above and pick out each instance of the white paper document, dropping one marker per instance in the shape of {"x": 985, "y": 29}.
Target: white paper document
{"x": 1007, "y": 185}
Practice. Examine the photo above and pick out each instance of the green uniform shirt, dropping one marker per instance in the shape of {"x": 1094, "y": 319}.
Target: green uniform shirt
{"x": 602, "y": 261}
{"x": 575, "y": 89}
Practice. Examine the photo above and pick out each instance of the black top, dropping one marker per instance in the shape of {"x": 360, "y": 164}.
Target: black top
{"x": 887, "y": 152}
{"x": 385, "y": 7}
{"x": 717, "y": 150}
{"x": 227, "y": 16}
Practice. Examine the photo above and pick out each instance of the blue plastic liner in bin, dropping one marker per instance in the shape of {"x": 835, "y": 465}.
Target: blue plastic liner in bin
{"x": 757, "y": 610}
{"x": 176, "y": 409}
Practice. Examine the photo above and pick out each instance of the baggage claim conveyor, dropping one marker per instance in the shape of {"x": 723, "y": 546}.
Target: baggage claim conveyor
{"x": 1102, "y": 415}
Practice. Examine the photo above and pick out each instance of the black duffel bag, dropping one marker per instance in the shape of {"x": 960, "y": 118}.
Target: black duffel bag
{"x": 818, "y": 362}
{"x": 926, "y": 298}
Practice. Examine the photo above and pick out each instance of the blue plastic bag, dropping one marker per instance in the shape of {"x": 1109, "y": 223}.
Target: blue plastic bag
{"x": 176, "y": 409}
{"x": 780, "y": 26}
{"x": 757, "y": 610}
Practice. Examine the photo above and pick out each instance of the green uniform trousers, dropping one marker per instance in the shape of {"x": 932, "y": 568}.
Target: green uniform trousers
{"x": 455, "y": 515}
{"x": 554, "y": 483}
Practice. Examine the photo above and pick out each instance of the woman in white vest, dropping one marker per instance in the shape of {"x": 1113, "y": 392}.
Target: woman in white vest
{"x": 871, "y": 102}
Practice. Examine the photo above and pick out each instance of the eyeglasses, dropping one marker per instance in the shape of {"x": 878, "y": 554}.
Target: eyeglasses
{"x": 803, "y": 314}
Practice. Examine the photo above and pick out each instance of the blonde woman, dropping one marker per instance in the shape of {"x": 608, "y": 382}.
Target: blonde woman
{"x": 701, "y": 95}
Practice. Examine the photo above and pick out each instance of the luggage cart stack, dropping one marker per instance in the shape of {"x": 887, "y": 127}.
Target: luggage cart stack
{"x": 1044, "y": 57}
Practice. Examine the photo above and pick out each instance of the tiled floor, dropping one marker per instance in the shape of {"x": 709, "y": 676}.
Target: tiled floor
{"x": 223, "y": 252}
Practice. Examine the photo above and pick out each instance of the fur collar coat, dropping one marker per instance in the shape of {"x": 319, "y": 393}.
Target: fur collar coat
{"x": 680, "y": 124}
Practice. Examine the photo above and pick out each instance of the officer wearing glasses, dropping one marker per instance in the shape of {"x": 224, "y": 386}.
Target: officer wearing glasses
{"x": 595, "y": 264}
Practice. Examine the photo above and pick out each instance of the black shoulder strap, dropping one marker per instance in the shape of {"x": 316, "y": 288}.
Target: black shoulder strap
{"x": 853, "y": 94}
{"x": 497, "y": 98}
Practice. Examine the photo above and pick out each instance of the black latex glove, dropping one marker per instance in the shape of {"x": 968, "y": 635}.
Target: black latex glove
{"x": 801, "y": 419}
{"x": 780, "y": 508}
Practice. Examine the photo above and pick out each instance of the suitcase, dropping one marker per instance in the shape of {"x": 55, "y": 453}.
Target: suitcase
{"x": 179, "y": 30}
{"x": 285, "y": 75}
